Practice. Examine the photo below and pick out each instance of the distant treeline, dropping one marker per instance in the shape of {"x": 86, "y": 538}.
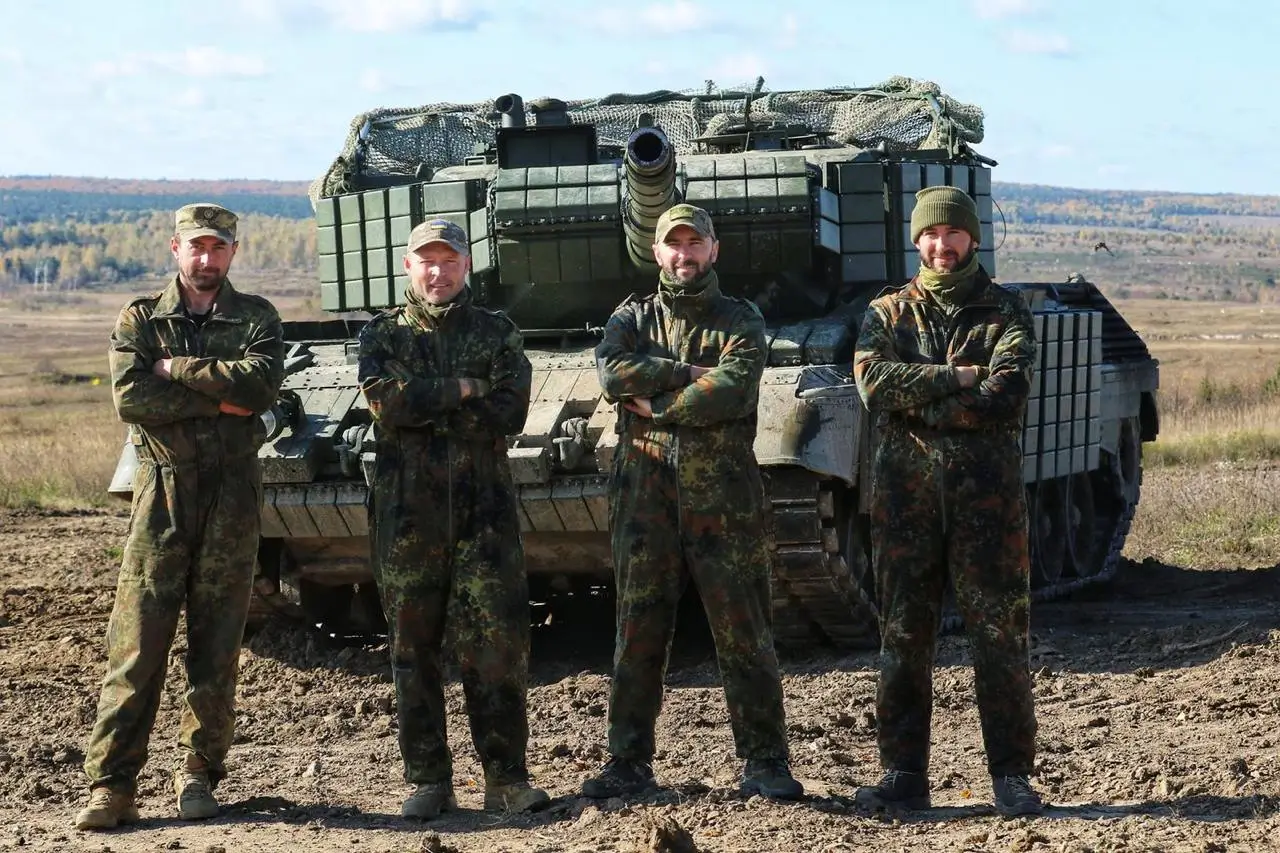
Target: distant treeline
{"x": 74, "y": 253}
{"x": 1033, "y": 204}
{"x": 63, "y": 233}
{"x": 23, "y": 206}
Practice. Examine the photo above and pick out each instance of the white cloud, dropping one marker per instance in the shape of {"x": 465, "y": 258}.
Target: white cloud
{"x": 275, "y": 12}
{"x": 392, "y": 15}
{"x": 193, "y": 62}
{"x": 1057, "y": 151}
{"x": 192, "y": 98}
{"x": 372, "y": 80}
{"x": 364, "y": 16}
{"x": 1048, "y": 44}
{"x": 212, "y": 62}
{"x": 680, "y": 16}
{"x": 1000, "y": 9}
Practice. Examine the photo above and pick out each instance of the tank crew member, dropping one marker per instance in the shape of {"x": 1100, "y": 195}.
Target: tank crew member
{"x": 944, "y": 364}
{"x": 192, "y": 367}
{"x": 687, "y": 502}
{"x": 447, "y": 381}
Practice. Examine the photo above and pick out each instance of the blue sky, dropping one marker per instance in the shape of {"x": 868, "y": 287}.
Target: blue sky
{"x": 1129, "y": 94}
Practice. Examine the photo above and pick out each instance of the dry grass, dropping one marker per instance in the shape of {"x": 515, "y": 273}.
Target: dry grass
{"x": 1219, "y": 379}
{"x": 1209, "y": 516}
{"x": 60, "y": 444}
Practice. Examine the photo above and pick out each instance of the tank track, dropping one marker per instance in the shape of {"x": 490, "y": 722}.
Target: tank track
{"x": 952, "y": 623}
{"x": 817, "y": 593}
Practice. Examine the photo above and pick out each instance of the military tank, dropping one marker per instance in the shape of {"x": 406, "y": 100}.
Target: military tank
{"x": 811, "y": 192}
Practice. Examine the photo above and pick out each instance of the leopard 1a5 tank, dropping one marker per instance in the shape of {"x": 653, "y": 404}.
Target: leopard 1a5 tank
{"x": 811, "y": 193}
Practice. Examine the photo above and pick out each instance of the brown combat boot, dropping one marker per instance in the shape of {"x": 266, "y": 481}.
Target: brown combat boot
{"x": 195, "y": 795}
{"x": 429, "y": 800}
{"x": 516, "y": 797}
{"x": 107, "y": 809}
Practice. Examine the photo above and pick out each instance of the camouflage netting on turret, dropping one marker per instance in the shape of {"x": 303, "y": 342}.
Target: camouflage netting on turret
{"x": 900, "y": 114}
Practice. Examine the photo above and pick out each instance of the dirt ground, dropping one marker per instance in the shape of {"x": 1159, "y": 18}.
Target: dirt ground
{"x": 1157, "y": 699}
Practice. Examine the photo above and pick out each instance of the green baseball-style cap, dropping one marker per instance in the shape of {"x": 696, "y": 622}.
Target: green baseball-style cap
{"x": 439, "y": 231}
{"x": 205, "y": 219}
{"x": 684, "y": 214}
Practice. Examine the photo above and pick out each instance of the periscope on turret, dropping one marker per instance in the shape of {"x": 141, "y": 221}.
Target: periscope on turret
{"x": 811, "y": 192}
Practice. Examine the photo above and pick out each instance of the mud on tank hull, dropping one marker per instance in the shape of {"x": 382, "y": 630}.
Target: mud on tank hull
{"x": 1092, "y": 407}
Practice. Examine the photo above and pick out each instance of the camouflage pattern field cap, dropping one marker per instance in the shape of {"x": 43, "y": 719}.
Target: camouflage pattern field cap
{"x": 205, "y": 219}
{"x": 684, "y": 214}
{"x": 439, "y": 231}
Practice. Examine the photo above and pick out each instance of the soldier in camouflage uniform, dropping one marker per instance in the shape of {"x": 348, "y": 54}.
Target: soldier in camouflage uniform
{"x": 687, "y": 502}
{"x": 944, "y": 365}
{"x": 191, "y": 369}
{"x": 447, "y": 381}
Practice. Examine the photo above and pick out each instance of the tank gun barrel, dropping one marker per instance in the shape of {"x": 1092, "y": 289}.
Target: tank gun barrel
{"x": 649, "y": 173}
{"x": 510, "y": 108}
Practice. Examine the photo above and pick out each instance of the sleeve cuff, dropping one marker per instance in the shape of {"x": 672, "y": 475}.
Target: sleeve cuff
{"x": 180, "y": 368}
{"x": 681, "y": 375}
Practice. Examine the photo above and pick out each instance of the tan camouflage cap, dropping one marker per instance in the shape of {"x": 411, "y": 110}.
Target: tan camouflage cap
{"x": 205, "y": 219}
{"x": 684, "y": 214}
{"x": 439, "y": 231}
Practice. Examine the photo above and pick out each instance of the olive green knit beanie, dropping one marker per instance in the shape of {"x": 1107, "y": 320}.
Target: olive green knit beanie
{"x": 945, "y": 206}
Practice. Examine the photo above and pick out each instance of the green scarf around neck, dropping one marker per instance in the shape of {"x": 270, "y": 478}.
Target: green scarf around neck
{"x": 953, "y": 288}
{"x": 428, "y": 314}
{"x": 699, "y": 285}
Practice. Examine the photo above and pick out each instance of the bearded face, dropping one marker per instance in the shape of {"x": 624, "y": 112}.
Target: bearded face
{"x": 944, "y": 248}
{"x": 203, "y": 262}
{"x": 685, "y": 255}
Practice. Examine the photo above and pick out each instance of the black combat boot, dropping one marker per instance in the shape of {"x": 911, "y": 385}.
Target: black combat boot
{"x": 770, "y": 777}
{"x": 1015, "y": 796}
{"x": 620, "y": 777}
{"x": 900, "y": 788}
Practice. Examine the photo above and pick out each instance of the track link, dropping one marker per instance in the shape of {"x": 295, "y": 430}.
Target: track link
{"x": 818, "y": 589}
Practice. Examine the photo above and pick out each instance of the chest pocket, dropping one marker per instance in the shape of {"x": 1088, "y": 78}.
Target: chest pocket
{"x": 224, "y": 340}
{"x": 979, "y": 343}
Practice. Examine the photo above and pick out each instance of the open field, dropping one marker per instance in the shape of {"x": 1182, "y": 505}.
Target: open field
{"x": 1219, "y": 378}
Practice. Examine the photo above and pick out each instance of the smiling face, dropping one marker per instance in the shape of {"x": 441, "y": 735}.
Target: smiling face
{"x": 943, "y": 248}
{"x": 685, "y": 254}
{"x": 437, "y": 272}
{"x": 203, "y": 261}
